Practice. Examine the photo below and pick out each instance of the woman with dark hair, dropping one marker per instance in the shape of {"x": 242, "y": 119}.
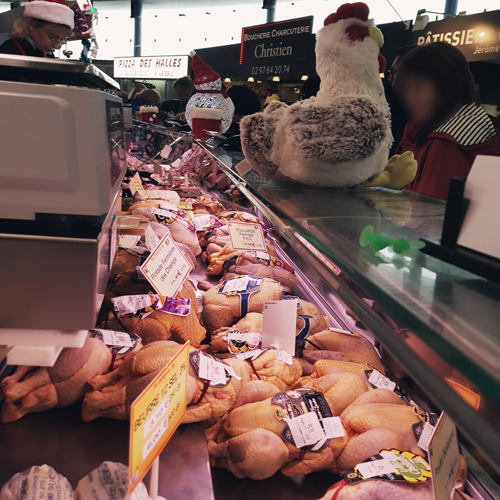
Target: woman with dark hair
{"x": 447, "y": 128}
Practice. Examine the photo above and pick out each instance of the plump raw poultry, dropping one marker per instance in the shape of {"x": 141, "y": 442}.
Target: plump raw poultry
{"x": 114, "y": 392}
{"x": 376, "y": 426}
{"x": 164, "y": 326}
{"x": 358, "y": 348}
{"x": 242, "y": 262}
{"x": 182, "y": 231}
{"x": 310, "y": 320}
{"x": 61, "y": 385}
{"x": 239, "y": 441}
{"x": 220, "y": 309}
{"x": 266, "y": 367}
{"x": 380, "y": 490}
{"x": 218, "y": 258}
{"x": 110, "y": 391}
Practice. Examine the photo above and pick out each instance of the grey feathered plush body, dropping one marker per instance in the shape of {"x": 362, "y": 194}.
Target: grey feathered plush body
{"x": 341, "y": 137}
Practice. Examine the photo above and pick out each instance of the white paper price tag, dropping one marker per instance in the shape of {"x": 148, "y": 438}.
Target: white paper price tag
{"x": 426, "y": 436}
{"x": 279, "y": 325}
{"x": 211, "y": 370}
{"x": 118, "y": 339}
{"x": 261, "y": 255}
{"x": 128, "y": 240}
{"x": 152, "y": 239}
{"x": 333, "y": 427}
{"x": 381, "y": 381}
{"x": 203, "y": 222}
{"x": 163, "y": 213}
{"x": 230, "y": 371}
{"x": 246, "y": 236}
{"x": 376, "y": 468}
{"x": 130, "y": 304}
{"x": 236, "y": 285}
{"x": 284, "y": 356}
{"x": 166, "y": 268}
{"x": 306, "y": 429}
{"x": 249, "y": 354}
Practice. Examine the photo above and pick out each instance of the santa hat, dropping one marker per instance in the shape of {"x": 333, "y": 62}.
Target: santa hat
{"x": 203, "y": 72}
{"x": 53, "y": 11}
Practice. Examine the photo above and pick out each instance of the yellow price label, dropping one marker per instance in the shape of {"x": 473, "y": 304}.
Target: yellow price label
{"x": 156, "y": 414}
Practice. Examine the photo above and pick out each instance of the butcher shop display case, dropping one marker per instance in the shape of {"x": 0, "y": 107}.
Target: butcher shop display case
{"x": 433, "y": 324}
{"x": 437, "y": 324}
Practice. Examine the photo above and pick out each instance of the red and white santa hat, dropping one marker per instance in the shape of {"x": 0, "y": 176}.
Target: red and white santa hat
{"x": 53, "y": 11}
{"x": 203, "y": 72}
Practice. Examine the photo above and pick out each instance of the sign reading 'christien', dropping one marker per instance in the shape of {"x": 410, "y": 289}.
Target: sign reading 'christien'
{"x": 161, "y": 67}
{"x": 286, "y": 41}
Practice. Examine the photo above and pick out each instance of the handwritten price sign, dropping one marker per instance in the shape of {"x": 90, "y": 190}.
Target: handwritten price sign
{"x": 246, "y": 236}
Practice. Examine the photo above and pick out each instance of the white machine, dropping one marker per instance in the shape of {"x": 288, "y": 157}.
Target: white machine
{"x": 61, "y": 164}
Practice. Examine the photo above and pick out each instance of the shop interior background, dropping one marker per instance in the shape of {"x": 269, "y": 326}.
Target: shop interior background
{"x": 177, "y": 27}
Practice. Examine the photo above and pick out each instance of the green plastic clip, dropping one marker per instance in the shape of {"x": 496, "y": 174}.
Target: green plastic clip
{"x": 379, "y": 242}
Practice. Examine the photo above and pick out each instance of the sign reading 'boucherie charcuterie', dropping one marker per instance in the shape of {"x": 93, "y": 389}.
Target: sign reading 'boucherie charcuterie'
{"x": 285, "y": 41}
{"x": 151, "y": 67}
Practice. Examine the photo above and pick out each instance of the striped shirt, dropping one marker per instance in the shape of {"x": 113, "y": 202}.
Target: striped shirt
{"x": 469, "y": 126}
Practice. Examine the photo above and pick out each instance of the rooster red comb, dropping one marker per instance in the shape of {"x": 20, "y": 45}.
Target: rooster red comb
{"x": 359, "y": 10}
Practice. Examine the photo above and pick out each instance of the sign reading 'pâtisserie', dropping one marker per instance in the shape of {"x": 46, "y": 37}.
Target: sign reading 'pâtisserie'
{"x": 285, "y": 41}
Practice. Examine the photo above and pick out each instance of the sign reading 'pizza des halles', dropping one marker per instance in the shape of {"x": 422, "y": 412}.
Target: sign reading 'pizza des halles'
{"x": 168, "y": 67}
{"x": 285, "y": 41}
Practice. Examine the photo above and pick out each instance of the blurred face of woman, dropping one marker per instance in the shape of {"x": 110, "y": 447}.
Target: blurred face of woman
{"x": 421, "y": 98}
{"x": 49, "y": 37}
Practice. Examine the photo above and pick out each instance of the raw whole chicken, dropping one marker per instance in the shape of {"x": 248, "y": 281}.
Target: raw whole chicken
{"x": 358, "y": 348}
{"x": 114, "y": 392}
{"x": 164, "y": 326}
{"x": 61, "y": 385}
{"x": 310, "y": 320}
{"x": 218, "y": 259}
{"x": 182, "y": 230}
{"x": 244, "y": 441}
{"x": 376, "y": 426}
{"x": 379, "y": 490}
{"x": 220, "y": 309}
{"x": 242, "y": 262}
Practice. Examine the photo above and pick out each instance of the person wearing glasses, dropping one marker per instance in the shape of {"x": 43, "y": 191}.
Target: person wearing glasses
{"x": 46, "y": 25}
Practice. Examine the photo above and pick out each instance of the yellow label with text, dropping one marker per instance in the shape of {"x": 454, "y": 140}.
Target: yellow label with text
{"x": 156, "y": 414}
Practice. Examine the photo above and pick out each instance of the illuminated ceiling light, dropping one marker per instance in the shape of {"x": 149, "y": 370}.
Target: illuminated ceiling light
{"x": 276, "y": 78}
{"x": 481, "y": 34}
{"x": 227, "y": 80}
{"x": 251, "y": 79}
{"x": 304, "y": 77}
{"x": 259, "y": 81}
{"x": 382, "y": 75}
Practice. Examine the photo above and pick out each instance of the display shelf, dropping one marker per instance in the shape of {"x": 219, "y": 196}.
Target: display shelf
{"x": 438, "y": 320}
{"x": 60, "y": 438}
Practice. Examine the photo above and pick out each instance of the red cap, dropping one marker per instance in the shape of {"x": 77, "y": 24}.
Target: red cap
{"x": 358, "y": 10}
{"x": 203, "y": 72}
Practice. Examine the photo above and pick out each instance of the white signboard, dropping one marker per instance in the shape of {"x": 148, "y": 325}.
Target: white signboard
{"x": 246, "y": 236}
{"x": 164, "y": 67}
{"x": 279, "y": 325}
{"x": 166, "y": 268}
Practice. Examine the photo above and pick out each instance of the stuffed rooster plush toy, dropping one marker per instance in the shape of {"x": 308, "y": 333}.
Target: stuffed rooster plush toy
{"x": 340, "y": 138}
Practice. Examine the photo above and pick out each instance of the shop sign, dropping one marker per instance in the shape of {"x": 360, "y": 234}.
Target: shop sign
{"x": 166, "y": 268}
{"x": 246, "y": 236}
{"x": 476, "y": 36}
{"x": 156, "y": 414}
{"x": 276, "y": 44}
{"x": 165, "y": 67}
{"x": 444, "y": 457}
